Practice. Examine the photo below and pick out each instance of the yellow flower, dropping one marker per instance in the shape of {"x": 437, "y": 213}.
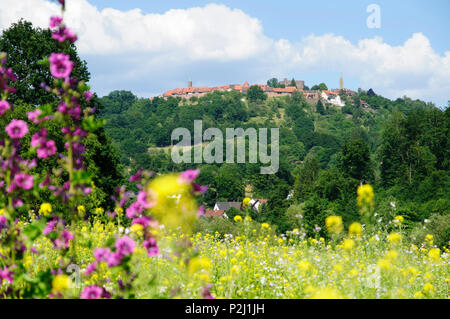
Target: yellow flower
{"x": 174, "y": 204}
{"x": 248, "y": 218}
{"x": 237, "y": 218}
{"x": 61, "y": 283}
{"x": 246, "y": 201}
{"x": 327, "y": 293}
{"x": 2, "y": 211}
{"x": 136, "y": 228}
{"x": 428, "y": 288}
{"x": 384, "y": 264}
{"x": 355, "y": 229}
{"x": 398, "y": 220}
{"x": 348, "y": 244}
{"x": 99, "y": 210}
{"x": 235, "y": 269}
{"x": 265, "y": 226}
{"x": 434, "y": 254}
{"x": 394, "y": 238}
{"x": 334, "y": 224}
{"x": 45, "y": 209}
{"x": 81, "y": 210}
{"x": 418, "y": 295}
{"x": 197, "y": 264}
{"x": 119, "y": 210}
{"x": 365, "y": 195}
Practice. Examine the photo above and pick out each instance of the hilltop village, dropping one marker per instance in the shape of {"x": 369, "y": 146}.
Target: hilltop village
{"x": 285, "y": 88}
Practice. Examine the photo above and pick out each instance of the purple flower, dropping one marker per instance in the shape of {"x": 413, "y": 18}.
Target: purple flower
{"x": 136, "y": 177}
{"x": 125, "y": 245}
{"x": 151, "y": 246}
{"x": 34, "y": 116}
{"x": 91, "y": 268}
{"x": 4, "y": 106}
{"x": 60, "y": 65}
{"x": 201, "y": 211}
{"x": 102, "y": 254}
{"x": 114, "y": 259}
{"x": 47, "y": 149}
{"x": 144, "y": 221}
{"x": 200, "y": 189}
{"x": 188, "y": 176}
{"x": 134, "y": 210}
{"x": 6, "y": 274}
{"x": 17, "y": 128}
{"x": 38, "y": 138}
{"x": 206, "y": 292}
{"x": 63, "y": 241}
{"x": 142, "y": 200}
{"x": 23, "y": 180}
{"x": 3, "y": 222}
{"x": 88, "y": 95}
{"x": 92, "y": 292}
{"x": 50, "y": 227}
{"x": 55, "y": 21}
{"x": 63, "y": 34}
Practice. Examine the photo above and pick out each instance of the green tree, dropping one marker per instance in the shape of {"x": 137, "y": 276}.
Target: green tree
{"x": 355, "y": 160}
{"x": 26, "y": 46}
{"x": 319, "y": 107}
{"x": 255, "y": 94}
{"x": 322, "y": 86}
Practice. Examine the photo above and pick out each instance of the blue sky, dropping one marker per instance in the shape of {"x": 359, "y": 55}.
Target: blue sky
{"x": 164, "y": 43}
{"x": 292, "y": 19}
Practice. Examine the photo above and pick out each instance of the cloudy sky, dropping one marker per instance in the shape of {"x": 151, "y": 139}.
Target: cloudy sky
{"x": 149, "y": 47}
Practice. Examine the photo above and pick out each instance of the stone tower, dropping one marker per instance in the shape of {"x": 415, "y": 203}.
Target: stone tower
{"x": 189, "y": 84}
{"x": 341, "y": 83}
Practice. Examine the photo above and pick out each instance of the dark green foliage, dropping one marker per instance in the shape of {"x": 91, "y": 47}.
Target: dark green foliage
{"x": 26, "y": 46}
{"x": 255, "y": 94}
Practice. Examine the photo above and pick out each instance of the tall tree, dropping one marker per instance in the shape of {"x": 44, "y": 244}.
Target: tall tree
{"x": 26, "y": 46}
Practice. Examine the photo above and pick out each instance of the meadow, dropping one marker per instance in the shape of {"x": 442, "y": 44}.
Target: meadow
{"x": 260, "y": 264}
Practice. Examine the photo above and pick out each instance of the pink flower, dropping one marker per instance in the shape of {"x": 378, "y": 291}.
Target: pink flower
{"x": 6, "y": 274}
{"x": 134, "y": 210}
{"x": 17, "y": 128}
{"x": 34, "y": 116}
{"x": 88, "y": 95}
{"x": 114, "y": 259}
{"x": 60, "y": 65}
{"x": 201, "y": 211}
{"x": 47, "y": 149}
{"x": 63, "y": 34}
{"x": 142, "y": 200}
{"x": 151, "y": 246}
{"x": 188, "y": 176}
{"x": 23, "y": 180}
{"x": 39, "y": 138}
{"x": 102, "y": 254}
{"x": 55, "y": 21}
{"x": 92, "y": 292}
{"x": 4, "y": 106}
{"x": 91, "y": 268}
{"x": 144, "y": 221}
{"x": 125, "y": 245}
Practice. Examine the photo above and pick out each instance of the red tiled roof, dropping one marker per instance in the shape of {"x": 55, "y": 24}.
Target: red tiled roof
{"x": 288, "y": 89}
{"x": 214, "y": 213}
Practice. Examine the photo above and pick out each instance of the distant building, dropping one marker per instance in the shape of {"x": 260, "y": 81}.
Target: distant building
{"x": 227, "y": 205}
{"x": 341, "y": 83}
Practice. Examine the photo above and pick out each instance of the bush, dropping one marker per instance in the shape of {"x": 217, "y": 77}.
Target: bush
{"x": 436, "y": 225}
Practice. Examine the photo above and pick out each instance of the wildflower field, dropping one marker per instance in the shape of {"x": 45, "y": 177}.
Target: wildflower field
{"x": 257, "y": 264}
{"x": 56, "y": 242}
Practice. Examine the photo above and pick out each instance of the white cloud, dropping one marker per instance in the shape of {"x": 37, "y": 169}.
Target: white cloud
{"x": 218, "y": 34}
